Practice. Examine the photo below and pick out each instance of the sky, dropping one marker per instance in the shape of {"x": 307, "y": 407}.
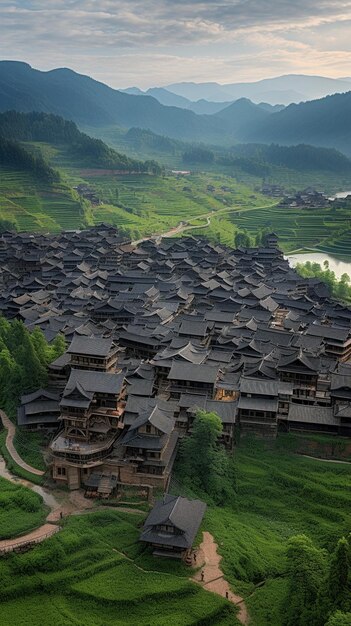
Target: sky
{"x": 156, "y": 42}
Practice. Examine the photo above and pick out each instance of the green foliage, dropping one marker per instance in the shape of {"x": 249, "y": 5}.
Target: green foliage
{"x": 274, "y": 495}
{"x": 7, "y": 225}
{"x": 340, "y": 289}
{"x": 203, "y": 462}
{"x": 81, "y": 576}
{"x": 15, "y": 469}
{"x": 242, "y": 239}
{"x": 300, "y": 157}
{"x": 21, "y": 510}
{"x": 13, "y": 155}
{"x": 23, "y": 360}
{"x": 30, "y": 447}
{"x": 198, "y": 155}
{"x": 306, "y": 570}
{"x": 44, "y": 127}
{"x": 339, "y": 619}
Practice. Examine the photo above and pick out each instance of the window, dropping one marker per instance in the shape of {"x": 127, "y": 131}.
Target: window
{"x": 61, "y": 471}
{"x": 148, "y": 428}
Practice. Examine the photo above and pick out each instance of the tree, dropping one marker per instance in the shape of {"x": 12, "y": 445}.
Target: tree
{"x": 338, "y": 586}
{"x": 306, "y": 572}
{"x": 339, "y": 619}
{"x": 58, "y": 346}
{"x": 242, "y": 239}
{"x": 203, "y": 462}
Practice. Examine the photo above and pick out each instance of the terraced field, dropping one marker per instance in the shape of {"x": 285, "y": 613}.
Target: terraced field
{"x": 95, "y": 573}
{"x": 33, "y": 205}
{"x": 301, "y": 228}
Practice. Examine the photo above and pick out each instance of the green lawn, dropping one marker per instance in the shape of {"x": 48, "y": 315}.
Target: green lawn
{"x": 21, "y": 510}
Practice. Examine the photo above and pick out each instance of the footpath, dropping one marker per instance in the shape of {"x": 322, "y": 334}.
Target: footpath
{"x": 211, "y": 577}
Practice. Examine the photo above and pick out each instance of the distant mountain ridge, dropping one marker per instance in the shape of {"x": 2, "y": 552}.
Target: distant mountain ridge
{"x": 279, "y": 90}
{"x": 202, "y": 107}
{"x": 325, "y": 122}
{"x": 88, "y": 102}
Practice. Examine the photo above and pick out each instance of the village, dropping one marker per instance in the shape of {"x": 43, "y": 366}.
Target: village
{"x": 156, "y": 332}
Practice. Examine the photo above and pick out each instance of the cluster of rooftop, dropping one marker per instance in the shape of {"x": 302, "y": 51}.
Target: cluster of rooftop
{"x": 159, "y": 330}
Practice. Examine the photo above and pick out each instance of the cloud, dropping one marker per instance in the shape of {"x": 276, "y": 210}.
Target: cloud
{"x": 128, "y": 41}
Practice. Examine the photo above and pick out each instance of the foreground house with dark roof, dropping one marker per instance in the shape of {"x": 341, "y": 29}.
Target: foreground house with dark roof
{"x": 172, "y": 525}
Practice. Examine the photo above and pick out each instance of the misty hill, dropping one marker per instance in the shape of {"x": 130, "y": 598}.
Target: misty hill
{"x": 13, "y": 155}
{"x": 48, "y": 128}
{"x": 325, "y": 122}
{"x": 300, "y": 158}
{"x": 89, "y": 102}
{"x": 242, "y": 114}
{"x": 202, "y": 107}
{"x": 279, "y": 90}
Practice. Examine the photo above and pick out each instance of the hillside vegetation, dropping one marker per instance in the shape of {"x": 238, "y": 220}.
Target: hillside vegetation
{"x": 271, "y": 495}
{"x": 21, "y": 510}
{"x": 95, "y": 573}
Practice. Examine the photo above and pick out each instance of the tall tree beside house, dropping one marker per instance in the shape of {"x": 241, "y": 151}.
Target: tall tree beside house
{"x": 203, "y": 463}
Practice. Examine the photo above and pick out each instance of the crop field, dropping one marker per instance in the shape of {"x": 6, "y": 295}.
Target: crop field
{"x": 87, "y": 575}
{"x": 21, "y": 510}
{"x": 33, "y": 205}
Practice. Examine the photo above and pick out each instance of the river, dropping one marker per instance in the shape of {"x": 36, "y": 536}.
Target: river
{"x": 338, "y": 266}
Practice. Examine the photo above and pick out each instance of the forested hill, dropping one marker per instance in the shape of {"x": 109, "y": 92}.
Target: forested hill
{"x": 53, "y": 129}
{"x": 301, "y": 157}
{"x": 325, "y": 122}
{"x": 89, "y": 102}
{"x": 13, "y": 155}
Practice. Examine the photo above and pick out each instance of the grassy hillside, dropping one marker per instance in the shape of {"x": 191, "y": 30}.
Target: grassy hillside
{"x": 21, "y": 510}
{"x": 32, "y": 204}
{"x": 276, "y": 494}
{"x": 95, "y": 573}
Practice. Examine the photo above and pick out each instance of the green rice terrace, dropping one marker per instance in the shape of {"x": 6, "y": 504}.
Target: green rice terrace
{"x": 33, "y": 205}
{"x": 212, "y": 203}
{"x": 94, "y": 572}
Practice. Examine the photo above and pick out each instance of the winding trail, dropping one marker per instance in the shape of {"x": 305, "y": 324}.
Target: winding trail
{"x": 211, "y": 577}
{"x": 176, "y": 230}
{"x": 11, "y": 431}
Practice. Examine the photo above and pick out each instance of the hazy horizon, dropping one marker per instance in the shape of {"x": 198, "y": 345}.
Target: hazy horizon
{"x": 148, "y": 43}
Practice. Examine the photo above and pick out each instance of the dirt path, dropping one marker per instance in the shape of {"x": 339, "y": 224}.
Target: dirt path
{"x": 211, "y": 577}
{"x": 35, "y": 536}
{"x": 176, "y": 230}
{"x": 11, "y": 430}
{"x": 316, "y": 458}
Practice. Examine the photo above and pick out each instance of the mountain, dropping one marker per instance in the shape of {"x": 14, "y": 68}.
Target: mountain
{"x": 279, "y": 90}
{"x": 202, "y": 107}
{"x": 88, "y": 102}
{"x": 242, "y": 114}
{"x": 52, "y": 129}
{"x": 324, "y": 122}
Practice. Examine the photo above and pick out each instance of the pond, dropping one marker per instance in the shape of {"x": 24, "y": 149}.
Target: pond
{"x": 337, "y": 265}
